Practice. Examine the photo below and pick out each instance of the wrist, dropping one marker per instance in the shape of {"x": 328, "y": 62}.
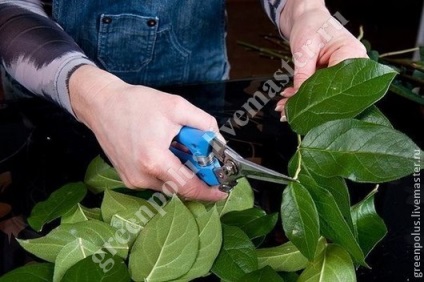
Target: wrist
{"x": 295, "y": 9}
{"x": 88, "y": 91}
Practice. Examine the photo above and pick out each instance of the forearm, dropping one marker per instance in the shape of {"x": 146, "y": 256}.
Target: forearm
{"x": 36, "y": 52}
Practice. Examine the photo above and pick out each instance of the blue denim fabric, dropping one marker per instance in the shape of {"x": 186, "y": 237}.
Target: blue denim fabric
{"x": 151, "y": 42}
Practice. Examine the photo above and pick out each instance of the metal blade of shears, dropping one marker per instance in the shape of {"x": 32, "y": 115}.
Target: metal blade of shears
{"x": 235, "y": 166}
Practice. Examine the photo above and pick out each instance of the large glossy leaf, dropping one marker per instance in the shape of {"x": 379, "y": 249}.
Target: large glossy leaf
{"x": 285, "y": 257}
{"x": 100, "y": 176}
{"x": 336, "y": 186}
{"x": 255, "y": 222}
{"x": 34, "y": 272}
{"x": 240, "y": 198}
{"x": 114, "y": 202}
{"x": 237, "y": 256}
{"x": 374, "y": 115}
{"x": 102, "y": 267}
{"x": 57, "y": 204}
{"x": 369, "y": 225}
{"x": 333, "y": 225}
{"x": 81, "y": 213}
{"x": 334, "y": 264}
{"x": 167, "y": 246}
{"x": 266, "y": 274}
{"x": 300, "y": 220}
{"x": 337, "y": 92}
{"x": 72, "y": 253}
{"x": 93, "y": 231}
{"x": 196, "y": 208}
{"x": 127, "y": 225}
{"x": 359, "y": 151}
{"x": 210, "y": 241}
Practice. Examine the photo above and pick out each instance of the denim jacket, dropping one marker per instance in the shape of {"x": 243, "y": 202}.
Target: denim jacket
{"x": 151, "y": 42}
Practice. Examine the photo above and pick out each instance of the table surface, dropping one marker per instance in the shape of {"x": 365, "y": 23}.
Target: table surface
{"x": 42, "y": 148}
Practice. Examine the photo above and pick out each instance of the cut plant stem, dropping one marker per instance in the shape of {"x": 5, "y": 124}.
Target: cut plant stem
{"x": 400, "y": 52}
{"x": 415, "y": 65}
{"x": 266, "y": 51}
{"x": 299, "y": 162}
{"x": 406, "y": 93}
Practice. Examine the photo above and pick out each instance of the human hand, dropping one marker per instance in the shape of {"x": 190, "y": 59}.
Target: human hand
{"x": 316, "y": 39}
{"x": 135, "y": 126}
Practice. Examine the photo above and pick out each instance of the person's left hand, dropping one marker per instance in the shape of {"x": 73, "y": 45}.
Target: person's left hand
{"x": 317, "y": 40}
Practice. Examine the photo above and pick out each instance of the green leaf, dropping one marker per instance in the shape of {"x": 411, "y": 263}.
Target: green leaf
{"x": 197, "y": 208}
{"x": 80, "y": 213}
{"x": 127, "y": 225}
{"x": 237, "y": 256}
{"x": 370, "y": 227}
{"x": 34, "y": 272}
{"x": 300, "y": 219}
{"x": 341, "y": 91}
{"x": 93, "y": 231}
{"x": 58, "y": 203}
{"x": 101, "y": 267}
{"x": 374, "y": 55}
{"x": 100, "y": 176}
{"x": 254, "y": 221}
{"x": 359, "y": 151}
{"x": 334, "y": 264}
{"x": 265, "y": 274}
{"x": 210, "y": 241}
{"x": 240, "y": 198}
{"x": 289, "y": 276}
{"x": 374, "y": 115}
{"x": 167, "y": 246}
{"x": 72, "y": 253}
{"x": 336, "y": 186}
{"x": 333, "y": 225}
{"x": 285, "y": 257}
{"x": 114, "y": 202}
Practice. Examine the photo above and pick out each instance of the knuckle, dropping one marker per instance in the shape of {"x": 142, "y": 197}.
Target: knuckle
{"x": 191, "y": 192}
{"x": 179, "y": 102}
{"x": 152, "y": 168}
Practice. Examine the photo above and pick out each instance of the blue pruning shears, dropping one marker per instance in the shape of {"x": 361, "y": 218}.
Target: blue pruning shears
{"x": 216, "y": 163}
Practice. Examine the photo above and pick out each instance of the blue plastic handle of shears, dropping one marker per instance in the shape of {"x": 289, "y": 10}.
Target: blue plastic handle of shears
{"x": 198, "y": 143}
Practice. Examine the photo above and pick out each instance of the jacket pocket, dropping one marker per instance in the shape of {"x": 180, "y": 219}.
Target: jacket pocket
{"x": 171, "y": 60}
{"x": 126, "y": 41}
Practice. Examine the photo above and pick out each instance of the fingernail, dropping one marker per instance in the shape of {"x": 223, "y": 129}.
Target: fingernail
{"x": 283, "y": 118}
{"x": 283, "y": 92}
{"x": 279, "y": 108}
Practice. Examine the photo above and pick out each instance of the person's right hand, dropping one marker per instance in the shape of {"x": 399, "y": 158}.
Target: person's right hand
{"x": 135, "y": 126}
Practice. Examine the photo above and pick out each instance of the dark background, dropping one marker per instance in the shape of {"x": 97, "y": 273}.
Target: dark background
{"x": 389, "y": 25}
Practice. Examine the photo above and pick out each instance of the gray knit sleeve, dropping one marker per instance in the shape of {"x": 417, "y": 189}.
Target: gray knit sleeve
{"x": 36, "y": 52}
{"x": 273, "y": 9}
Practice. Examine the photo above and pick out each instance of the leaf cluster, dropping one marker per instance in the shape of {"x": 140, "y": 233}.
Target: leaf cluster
{"x": 149, "y": 236}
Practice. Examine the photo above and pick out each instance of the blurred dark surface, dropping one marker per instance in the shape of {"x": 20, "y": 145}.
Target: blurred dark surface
{"x": 389, "y": 25}
{"x": 42, "y": 148}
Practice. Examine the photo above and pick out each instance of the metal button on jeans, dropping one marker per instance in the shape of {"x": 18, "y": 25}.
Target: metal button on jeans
{"x": 107, "y": 20}
{"x": 151, "y": 22}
